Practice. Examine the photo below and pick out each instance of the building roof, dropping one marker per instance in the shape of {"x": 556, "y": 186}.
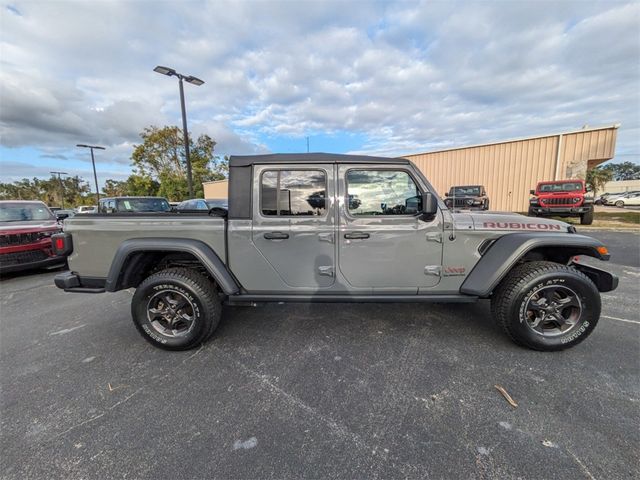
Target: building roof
{"x": 520, "y": 139}
{"x": 246, "y": 160}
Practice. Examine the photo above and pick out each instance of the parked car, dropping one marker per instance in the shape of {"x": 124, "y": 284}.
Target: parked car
{"x": 472, "y": 197}
{"x": 202, "y": 204}
{"x": 562, "y": 198}
{"x": 26, "y": 228}
{"x": 86, "y": 209}
{"x": 133, "y": 204}
{"x": 294, "y": 234}
{"x": 601, "y": 199}
{"x": 631, "y": 199}
{"x": 612, "y": 199}
{"x": 61, "y": 215}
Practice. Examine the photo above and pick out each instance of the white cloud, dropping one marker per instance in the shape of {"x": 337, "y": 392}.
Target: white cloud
{"x": 405, "y": 76}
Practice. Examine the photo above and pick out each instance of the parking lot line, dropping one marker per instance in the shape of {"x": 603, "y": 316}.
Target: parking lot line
{"x": 621, "y": 319}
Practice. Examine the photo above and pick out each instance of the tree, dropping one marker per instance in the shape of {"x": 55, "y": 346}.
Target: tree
{"x": 161, "y": 157}
{"x": 114, "y": 188}
{"x": 624, "y": 171}
{"x": 597, "y": 177}
{"x": 50, "y": 191}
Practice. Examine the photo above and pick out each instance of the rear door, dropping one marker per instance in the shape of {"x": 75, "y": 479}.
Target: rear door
{"x": 293, "y": 223}
{"x": 383, "y": 241}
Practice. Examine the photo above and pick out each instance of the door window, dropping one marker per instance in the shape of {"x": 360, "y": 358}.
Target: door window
{"x": 293, "y": 193}
{"x": 382, "y": 192}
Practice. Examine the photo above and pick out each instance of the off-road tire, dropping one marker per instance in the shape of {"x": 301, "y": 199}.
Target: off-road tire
{"x": 486, "y": 205}
{"x": 619, "y": 204}
{"x": 532, "y": 213}
{"x": 509, "y": 300}
{"x": 205, "y": 305}
{"x": 586, "y": 218}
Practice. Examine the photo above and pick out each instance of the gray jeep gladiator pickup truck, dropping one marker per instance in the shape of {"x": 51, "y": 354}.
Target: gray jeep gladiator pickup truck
{"x": 335, "y": 228}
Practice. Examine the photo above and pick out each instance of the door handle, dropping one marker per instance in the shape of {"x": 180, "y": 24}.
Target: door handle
{"x": 276, "y": 236}
{"x": 356, "y": 235}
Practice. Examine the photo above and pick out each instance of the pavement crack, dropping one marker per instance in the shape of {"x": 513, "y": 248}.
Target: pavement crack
{"x": 341, "y": 430}
{"x": 96, "y": 417}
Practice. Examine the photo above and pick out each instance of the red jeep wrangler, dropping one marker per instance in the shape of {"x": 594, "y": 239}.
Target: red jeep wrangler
{"x": 562, "y": 198}
{"x": 25, "y": 236}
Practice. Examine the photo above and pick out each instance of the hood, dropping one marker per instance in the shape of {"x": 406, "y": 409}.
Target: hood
{"x": 507, "y": 221}
{"x": 27, "y": 227}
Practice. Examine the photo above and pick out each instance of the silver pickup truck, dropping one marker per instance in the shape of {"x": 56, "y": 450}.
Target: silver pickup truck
{"x": 336, "y": 228}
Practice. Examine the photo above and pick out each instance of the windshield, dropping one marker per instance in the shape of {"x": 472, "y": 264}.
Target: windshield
{"x": 560, "y": 187}
{"x": 465, "y": 191}
{"x": 24, "y": 212}
{"x": 143, "y": 205}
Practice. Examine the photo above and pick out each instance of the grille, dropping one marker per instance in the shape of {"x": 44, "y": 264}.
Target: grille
{"x": 460, "y": 202}
{"x": 557, "y": 201}
{"x": 11, "y": 239}
{"x": 17, "y": 258}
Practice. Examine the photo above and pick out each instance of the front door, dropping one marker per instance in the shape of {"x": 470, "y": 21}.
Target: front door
{"x": 293, "y": 223}
{"x": 384, "y": 242}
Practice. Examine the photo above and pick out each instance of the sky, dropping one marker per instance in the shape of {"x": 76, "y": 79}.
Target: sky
{"x": 376, "y": 77}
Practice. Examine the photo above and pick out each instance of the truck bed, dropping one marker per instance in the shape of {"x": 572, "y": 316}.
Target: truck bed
{"x": 97, "y": 237}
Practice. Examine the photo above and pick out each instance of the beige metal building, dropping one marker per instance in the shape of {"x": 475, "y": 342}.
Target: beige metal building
{"x": 216, "y": 189}
{"x": 509, "y": 169}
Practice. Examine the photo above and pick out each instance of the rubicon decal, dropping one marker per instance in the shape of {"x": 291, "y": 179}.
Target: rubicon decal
{"x": 520, "y": 226}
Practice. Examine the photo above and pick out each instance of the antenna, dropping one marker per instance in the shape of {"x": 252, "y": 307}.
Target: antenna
{"x": 307, "y": 144}
{"x": 452, "y": 235}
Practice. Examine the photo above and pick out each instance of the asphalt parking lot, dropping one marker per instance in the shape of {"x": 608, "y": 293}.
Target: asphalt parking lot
{"x": 315, "y": 391}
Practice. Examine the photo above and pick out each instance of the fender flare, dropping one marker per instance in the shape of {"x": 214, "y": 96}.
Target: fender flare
{"x": 203, "y": 252}
{"x": 507, "y": 250}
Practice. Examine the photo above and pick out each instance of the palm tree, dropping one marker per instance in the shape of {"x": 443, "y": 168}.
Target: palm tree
{"x": 597, "y": 177}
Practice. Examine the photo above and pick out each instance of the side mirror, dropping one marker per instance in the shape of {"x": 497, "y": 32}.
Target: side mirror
{"x": 61, "y": 216}
{"x": 532, "y": 192}
{"x": 429, "y": 204}
{"x": 446, "y": 194}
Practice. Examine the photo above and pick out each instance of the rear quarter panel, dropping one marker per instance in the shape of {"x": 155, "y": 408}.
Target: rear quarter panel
{"x": 96, "y": 239}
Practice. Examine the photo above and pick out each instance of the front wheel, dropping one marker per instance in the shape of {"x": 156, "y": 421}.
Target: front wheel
{"x": 586, "y": 218}
{"x": 619, "y": 204}
{"x": 546, "y": 306}
{"x": 176, "y": 309}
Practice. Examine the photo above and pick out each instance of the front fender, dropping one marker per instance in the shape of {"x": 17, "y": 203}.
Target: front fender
{"x": 507, "y": 250}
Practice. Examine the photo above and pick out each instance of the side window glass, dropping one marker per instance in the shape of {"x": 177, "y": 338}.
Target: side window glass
{"x": 293, "y": 193}
{"x": 382, "y": 192}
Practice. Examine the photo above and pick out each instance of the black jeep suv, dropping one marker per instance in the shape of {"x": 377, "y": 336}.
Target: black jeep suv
{"x": 473, "y": 197}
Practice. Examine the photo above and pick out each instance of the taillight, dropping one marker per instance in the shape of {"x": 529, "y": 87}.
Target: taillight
{"x": 61, "y": 244}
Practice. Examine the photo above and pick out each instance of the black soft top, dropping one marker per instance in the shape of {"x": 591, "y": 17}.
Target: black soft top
{"x": 246, "y": 160}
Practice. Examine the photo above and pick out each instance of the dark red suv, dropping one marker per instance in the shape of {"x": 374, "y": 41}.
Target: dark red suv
{"x": 562, "y": 198}
{"x": 25, "y": 236}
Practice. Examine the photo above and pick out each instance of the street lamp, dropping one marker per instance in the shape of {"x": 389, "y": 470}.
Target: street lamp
{"x": 93, "y": 162}
{"x": 61, "y": 185}
{"x": 170, "y": 72}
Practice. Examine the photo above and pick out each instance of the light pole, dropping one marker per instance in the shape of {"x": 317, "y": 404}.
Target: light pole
{"x": 93, "y": 162}
{"x": 170, "y": 72}
{"x": 61, "y": 185}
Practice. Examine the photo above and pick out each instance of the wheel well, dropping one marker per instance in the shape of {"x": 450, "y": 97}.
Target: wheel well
{"x": 556, "y": 254}
{"x": 139, "y": 265}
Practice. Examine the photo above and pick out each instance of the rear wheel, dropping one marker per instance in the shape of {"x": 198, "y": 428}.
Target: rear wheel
{"x": 586, "y": 218}
{"x": 176, "y": 309}
{"x": 546, "y": 306}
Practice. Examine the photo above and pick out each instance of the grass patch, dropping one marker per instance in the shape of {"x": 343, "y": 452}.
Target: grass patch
{"x": 605, "y": 219}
